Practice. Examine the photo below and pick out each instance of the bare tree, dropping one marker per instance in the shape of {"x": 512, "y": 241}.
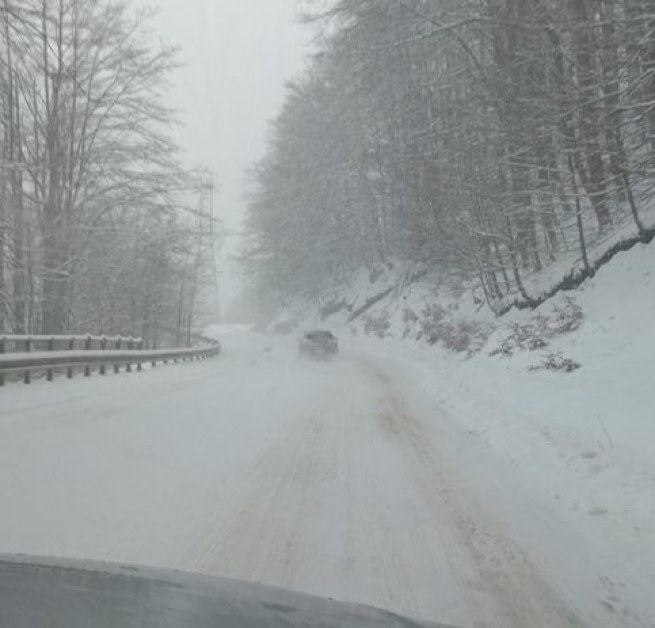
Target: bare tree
{"x": 91, "y": 181}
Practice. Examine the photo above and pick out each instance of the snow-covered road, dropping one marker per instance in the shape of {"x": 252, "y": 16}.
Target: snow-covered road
{"x": 343, "y": 479}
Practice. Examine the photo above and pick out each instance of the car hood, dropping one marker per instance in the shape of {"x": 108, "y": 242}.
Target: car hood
{"x": 62, "y": 593}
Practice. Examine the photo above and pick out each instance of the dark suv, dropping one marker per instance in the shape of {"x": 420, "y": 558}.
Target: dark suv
{"x": 318, "y": 343}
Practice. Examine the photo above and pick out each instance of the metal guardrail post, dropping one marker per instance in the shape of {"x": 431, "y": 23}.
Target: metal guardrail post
{"x": 103, "y": 346}
{"x": 27, "y": 377}
{"x": 51, "y": 347}
{"x": 130, "y": 347}
{"x": 118, "y": 348}
{"x": 3, "y": 342}
{"x": 87, "y": 346}
{"x": 71, "y": 347}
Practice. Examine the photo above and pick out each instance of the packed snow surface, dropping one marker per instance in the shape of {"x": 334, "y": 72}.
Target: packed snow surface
{"x": 470, "y": 492}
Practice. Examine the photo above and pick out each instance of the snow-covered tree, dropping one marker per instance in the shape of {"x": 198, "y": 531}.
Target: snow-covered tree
{"x": 491, "y": 138}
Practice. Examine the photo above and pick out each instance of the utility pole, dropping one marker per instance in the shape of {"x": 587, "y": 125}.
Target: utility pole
{"x": 208, "y": 187}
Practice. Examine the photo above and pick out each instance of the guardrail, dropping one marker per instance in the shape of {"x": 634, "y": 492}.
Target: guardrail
{"x": 24, "y": 355}
{"x": 67, "y": 343}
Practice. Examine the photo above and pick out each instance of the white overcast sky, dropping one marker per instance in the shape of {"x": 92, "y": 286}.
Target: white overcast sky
{"x": 237, "y": 54}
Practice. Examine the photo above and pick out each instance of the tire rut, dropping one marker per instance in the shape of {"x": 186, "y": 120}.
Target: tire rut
{"x": 506, "y": 574}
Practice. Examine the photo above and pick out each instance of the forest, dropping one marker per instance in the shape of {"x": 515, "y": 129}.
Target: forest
{"x": 101, "y": 229}
{"x": 509, "y": 143}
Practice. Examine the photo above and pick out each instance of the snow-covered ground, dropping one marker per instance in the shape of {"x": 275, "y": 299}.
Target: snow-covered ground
{"x": 571, "y": 480}
{"x": 471, "y": 492}
{"x": 581, "y": 442}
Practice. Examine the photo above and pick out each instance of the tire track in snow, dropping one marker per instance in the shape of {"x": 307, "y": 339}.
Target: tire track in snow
{"x": 351, "y": 501}
{"x": 505, "y": 573}
{"x": 263, "y": 540}
{"x": 307, "y": 520}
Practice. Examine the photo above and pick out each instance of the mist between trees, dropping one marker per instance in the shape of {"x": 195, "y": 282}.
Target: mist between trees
{"x": 101, "y": 230}
{"x": 506, "y": 141}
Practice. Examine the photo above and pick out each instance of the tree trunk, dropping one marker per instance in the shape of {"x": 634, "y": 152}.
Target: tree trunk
{"x": 593, "y": 175}
{"x": 3, "y": 295}
{"x": 56, "y": 278}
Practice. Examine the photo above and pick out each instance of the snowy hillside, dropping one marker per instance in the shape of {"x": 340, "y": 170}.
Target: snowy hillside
{"x": 606, "y": 318}
{"x": 586, "y": 354}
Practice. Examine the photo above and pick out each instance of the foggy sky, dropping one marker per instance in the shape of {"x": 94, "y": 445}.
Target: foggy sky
{"x": 237, "y": 56}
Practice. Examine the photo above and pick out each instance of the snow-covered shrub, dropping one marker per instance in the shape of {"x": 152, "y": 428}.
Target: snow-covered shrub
{"x": 540, "y": 329}
{"x": 410, "y": 318}
{"x": 432, "y": 321}
{"x": 524, "y": 337}
{"x": 471, "y": 335}
{"x": 565, "y": 318}
{"x": 556, "y": 362}
{"x": 456, "y": 334}
{"x": 377, "y": 325}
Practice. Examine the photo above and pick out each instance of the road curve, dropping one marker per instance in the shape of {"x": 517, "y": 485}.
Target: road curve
{"x": 324, "y": 477}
